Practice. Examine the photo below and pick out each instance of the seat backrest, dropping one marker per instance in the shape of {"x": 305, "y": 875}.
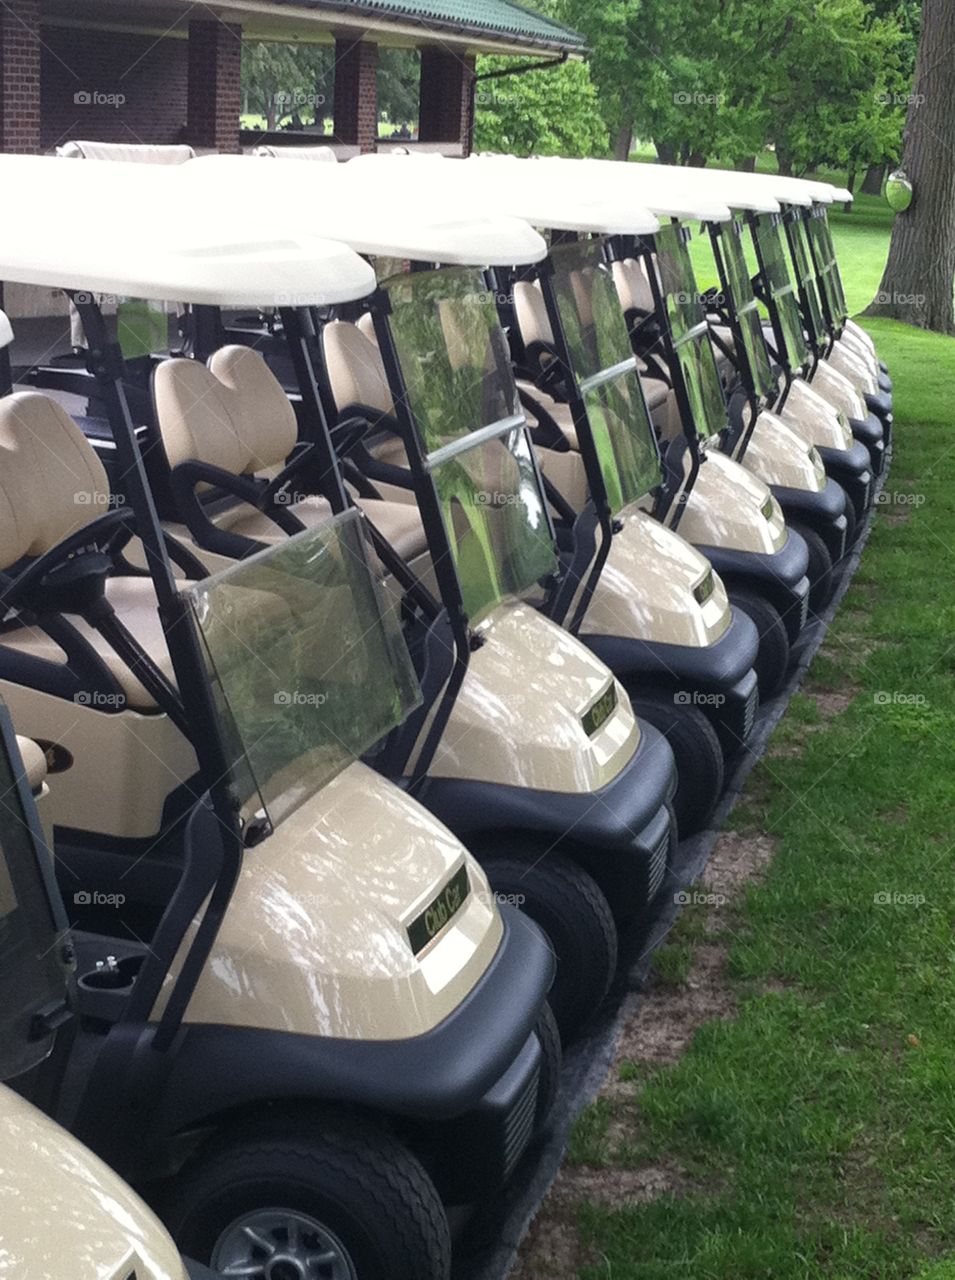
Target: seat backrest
{"x": 51, "y": 481}
{"x": 232, "y": 414}
{"x": 633, "y": 286}
{"x": 141, "y": 152}
{"x": 355, "y": 371}
{"x": 322, "y": 153}
{"x": 530, "y": 311}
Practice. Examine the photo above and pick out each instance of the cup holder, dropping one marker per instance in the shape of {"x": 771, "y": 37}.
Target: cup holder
{"x": 115, "y": 976}
{"x": 103, "y": 990}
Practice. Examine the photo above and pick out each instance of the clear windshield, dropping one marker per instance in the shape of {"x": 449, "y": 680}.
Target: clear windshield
{"x": 744, "y": 304}
{"x": 772, "y": 255}
{"x": 596, "y": 332}
{"x": 689, "y": 331}
{"x": 805, "y": 274}
{"x": 308, "y": 659}
{"x": 827, "y": 271}
{"x": 453, "y": 353}
{"x": 30, "y": 974}
{"x": 472, "y": 433}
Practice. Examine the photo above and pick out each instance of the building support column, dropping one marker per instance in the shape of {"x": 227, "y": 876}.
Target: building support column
{"x": 356, "y": 94}
{"x": 446, "y": 98}
{"x": 20, "y": 76}
{"x": 215, "y": 95}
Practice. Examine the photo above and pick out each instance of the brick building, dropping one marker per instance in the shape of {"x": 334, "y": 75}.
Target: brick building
{"x": 168, "y": 71}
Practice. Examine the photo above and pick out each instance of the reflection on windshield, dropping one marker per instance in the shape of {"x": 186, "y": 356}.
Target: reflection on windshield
{"x": 308, "y": 658}
{"x": 768, "y": 234}
{"x": 452, "y": 352}
{"x": 827, "y": 270}
{"x": 598, "y": 342}
{"x": 746, "y": 307}
{"x": 689, "y": 332}
{"x": 805, "y": 274}
{"x": 496, "y": 521}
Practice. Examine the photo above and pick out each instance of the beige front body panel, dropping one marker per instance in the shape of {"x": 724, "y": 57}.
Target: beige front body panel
{"x": 853, "y": 330}
{"x": 853, "y": 367}
{"x": 645, "y": 590}
{"x": 781, "y": 457}
{"x": 64, "y": 1215}
{"x": 315, "y": 940}
{"x": 726, "y": 509}
{"x": 814, "y": 418}
{"x": 838, "y": 390}
{"x": 123, "y": 764}
{"x": 518, "y": 718}
{"x": 849, "y": 341}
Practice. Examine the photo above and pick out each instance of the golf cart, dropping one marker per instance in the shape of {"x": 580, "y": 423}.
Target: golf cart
{"x": 540, "y": 767}
{"x": 644, "y": 600}
{"x": 721, "y": 509}
{"x": 63, "y": 1212}
{"x": 247, "y": 891}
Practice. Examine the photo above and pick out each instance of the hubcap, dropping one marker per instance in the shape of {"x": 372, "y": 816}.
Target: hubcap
{"x": 281, "y": 1244}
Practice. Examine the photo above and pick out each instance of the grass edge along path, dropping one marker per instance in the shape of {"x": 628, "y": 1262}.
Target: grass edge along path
{"x": 808, "y": 1129}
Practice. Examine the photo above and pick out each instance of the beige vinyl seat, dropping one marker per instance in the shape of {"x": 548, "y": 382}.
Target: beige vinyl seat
{"x": 52, "y": 484}
{"x": 534, "y": 324}
{"x": 234, "y": 415}
{"x": 357, "y": 379}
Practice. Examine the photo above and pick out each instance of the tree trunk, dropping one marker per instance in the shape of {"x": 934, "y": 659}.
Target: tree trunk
{"x": 666, "y": 153}
{"x": 784, "y": 162}
{"x": 851, "y": 185}
{"x": 622, "y": 141}
{"x": 872, "y": 182}
{"x": 696, "y": 160}
{"x": 748, "y": 165}
{"x": 917, "y": 284}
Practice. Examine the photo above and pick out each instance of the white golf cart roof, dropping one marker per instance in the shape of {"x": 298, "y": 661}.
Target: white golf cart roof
{"x": 112, "y": 228}
{"x": 725, "y": 185}
{"x": 598, "y": 181}
{"x": 388, "y": 216}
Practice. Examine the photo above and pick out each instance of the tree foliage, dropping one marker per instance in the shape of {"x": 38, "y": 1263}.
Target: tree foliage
{"x": 552, "y": 111}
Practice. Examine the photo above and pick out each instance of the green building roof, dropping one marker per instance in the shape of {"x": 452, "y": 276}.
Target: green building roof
{"x": 499, "y": 19}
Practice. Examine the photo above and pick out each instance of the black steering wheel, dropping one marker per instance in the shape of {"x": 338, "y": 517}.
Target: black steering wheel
{"x": 105, "y": 538}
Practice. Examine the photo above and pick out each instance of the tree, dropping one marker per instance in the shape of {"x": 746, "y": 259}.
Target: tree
{"x": 548, "y": 111}
{"x": 287, "y": 82}
{"x": 917, "y": 283}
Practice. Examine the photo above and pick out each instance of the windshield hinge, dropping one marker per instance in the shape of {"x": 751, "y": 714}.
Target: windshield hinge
{"x": 48, "y": 1020}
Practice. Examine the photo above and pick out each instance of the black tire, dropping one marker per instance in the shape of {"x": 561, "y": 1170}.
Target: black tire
{"x": 699, "y": 757}
{"x": 772, "y": 658}
{"x": 571, "y": 909}
{"x": 356, "y": 1180}
{"x": 821, "y": 583}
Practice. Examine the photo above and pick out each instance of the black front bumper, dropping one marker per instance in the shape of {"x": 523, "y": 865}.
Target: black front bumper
{"x": 781, "y": 577}
{"x": 823, "y": 511}
{"x": 853, "y": 470}
{"x": 880, "y": 403}
{"x": 872, "y": 432}
{"x": 477, "y": 1068}
{"x": 718, "y": 678}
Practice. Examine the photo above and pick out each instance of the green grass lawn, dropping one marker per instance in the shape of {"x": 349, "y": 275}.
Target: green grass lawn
{"x": 812, "y": 1133}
